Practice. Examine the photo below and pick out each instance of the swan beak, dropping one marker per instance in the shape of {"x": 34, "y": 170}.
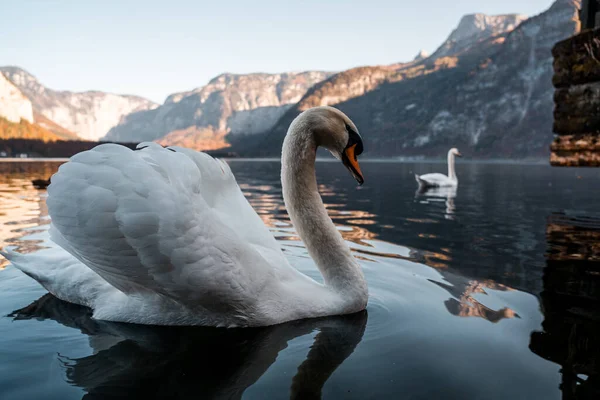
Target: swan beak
{"x": 458, "y": 155}
{"x": 350, "y": 161}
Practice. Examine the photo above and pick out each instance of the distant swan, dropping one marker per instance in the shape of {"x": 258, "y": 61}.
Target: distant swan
{"x": 441, "y": 180}
{"x": 165, "y": 236}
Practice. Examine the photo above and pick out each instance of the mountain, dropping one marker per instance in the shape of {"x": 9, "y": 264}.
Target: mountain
{"x": 24, "y": 130}
{"x": 14, "y": 106}
{"x": 421, "y": 55}
{"x": 356, "y": 83}
{"x": 475, "y": 28}
{"x": 61, "y": 132}
{"x": 488, "y": 93}
{"x": 90, "y": 114}
{"x": 244, "y": 104}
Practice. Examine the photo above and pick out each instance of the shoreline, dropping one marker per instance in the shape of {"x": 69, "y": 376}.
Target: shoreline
{"x": 34, "y": 159}
{"x": 541, "y": 161}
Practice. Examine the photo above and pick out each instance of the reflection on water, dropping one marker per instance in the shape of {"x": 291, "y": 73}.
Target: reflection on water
{"x": 453, "y": 279}
{"x": 571, "y": 305}
{"x": 22, "y": 206}
{"x": 464, "y": 303}
{"x": 433, "y": 194}
{"x": 216, "y": 363}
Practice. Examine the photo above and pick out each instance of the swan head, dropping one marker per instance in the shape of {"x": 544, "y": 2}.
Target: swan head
{"x": 455, "y": 151}
{"x": 334, "y": 131}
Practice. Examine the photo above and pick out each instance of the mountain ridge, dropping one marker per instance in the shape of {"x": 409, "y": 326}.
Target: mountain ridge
{"x": 243, "y": 103}
{"x": 360, "y": 82}
{"x": 88, "y": 114}
{"x": 486, "y": 88}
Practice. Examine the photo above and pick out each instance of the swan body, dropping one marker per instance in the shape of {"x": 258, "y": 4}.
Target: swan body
{"x": 165, "y": 236}
{"x": 441, "y": 180}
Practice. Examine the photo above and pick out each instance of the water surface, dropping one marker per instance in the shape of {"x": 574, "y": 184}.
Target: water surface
{"x": 463, "y": 297}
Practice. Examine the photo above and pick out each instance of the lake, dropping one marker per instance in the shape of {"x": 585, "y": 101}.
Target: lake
{"x": 489, "y": 292}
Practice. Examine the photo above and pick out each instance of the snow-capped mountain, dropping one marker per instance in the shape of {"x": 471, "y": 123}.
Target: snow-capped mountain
{"x": 88, "y": 114}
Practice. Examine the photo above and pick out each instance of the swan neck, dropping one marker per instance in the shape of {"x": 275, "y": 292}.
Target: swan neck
{"x": 451, "y": 171}
{"x": 307, "y": 212}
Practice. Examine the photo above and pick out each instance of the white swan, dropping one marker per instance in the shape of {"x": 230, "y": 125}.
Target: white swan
{"x": 166, "y": 237}
{"x": 441, "y": 180}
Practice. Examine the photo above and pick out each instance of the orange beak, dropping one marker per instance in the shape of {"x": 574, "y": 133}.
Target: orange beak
{"x": 350, "y": 161}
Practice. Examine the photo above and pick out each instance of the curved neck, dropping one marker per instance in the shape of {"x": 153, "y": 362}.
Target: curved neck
{"x": 451, "y": 172}
{"x": 305, "y": 207}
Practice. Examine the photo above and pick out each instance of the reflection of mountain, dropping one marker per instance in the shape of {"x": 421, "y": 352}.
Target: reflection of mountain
{"x": 571, "y": 305}
{"x": 266, "y": 199}
{"x": 21, "y": 205}
{"x": 157, "y": 362}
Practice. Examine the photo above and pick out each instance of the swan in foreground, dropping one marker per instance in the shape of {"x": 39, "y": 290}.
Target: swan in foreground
{"x": 441, "y": 180}
{"x": 165, "y": 236}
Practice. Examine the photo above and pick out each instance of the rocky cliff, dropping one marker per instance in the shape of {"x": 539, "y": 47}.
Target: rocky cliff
{"x": 490, "y": 95}
{"x": 475, "y": 28}
{"x": 14, "y": 106}
{"x": 244, "y": 104}
{"x": 577, "y": 100}
{"x": 88, "y": 114}
{"x": 503, "y": 105}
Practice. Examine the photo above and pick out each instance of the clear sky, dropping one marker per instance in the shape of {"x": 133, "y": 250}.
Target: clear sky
{"x": 154, "y": 48}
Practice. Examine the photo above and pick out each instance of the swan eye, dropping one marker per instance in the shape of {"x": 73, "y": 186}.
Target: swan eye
{"x": 354, "y": 139}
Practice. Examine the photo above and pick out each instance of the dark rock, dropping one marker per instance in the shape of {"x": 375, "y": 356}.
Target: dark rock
{"x": 577, "y": 59}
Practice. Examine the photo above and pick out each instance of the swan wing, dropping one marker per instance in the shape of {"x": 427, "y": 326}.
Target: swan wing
{"x": 171, "y": 221}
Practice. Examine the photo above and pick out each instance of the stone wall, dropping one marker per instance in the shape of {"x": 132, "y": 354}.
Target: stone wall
{"x": 577, "y": 100}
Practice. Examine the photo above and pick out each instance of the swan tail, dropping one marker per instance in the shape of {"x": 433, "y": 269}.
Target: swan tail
{"x": 6, "y": 254}
{"x": 22, "y": 263}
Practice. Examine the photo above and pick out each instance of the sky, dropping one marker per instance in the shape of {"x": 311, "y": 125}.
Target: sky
{"x": 155, "y": 48}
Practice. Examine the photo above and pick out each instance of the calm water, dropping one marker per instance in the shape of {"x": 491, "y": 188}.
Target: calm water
{"x": 487, "y": 293}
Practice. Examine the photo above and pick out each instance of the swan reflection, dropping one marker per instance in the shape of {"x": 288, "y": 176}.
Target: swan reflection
{"x": 448, "y": 193}
{"x": 193, "y": 362}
